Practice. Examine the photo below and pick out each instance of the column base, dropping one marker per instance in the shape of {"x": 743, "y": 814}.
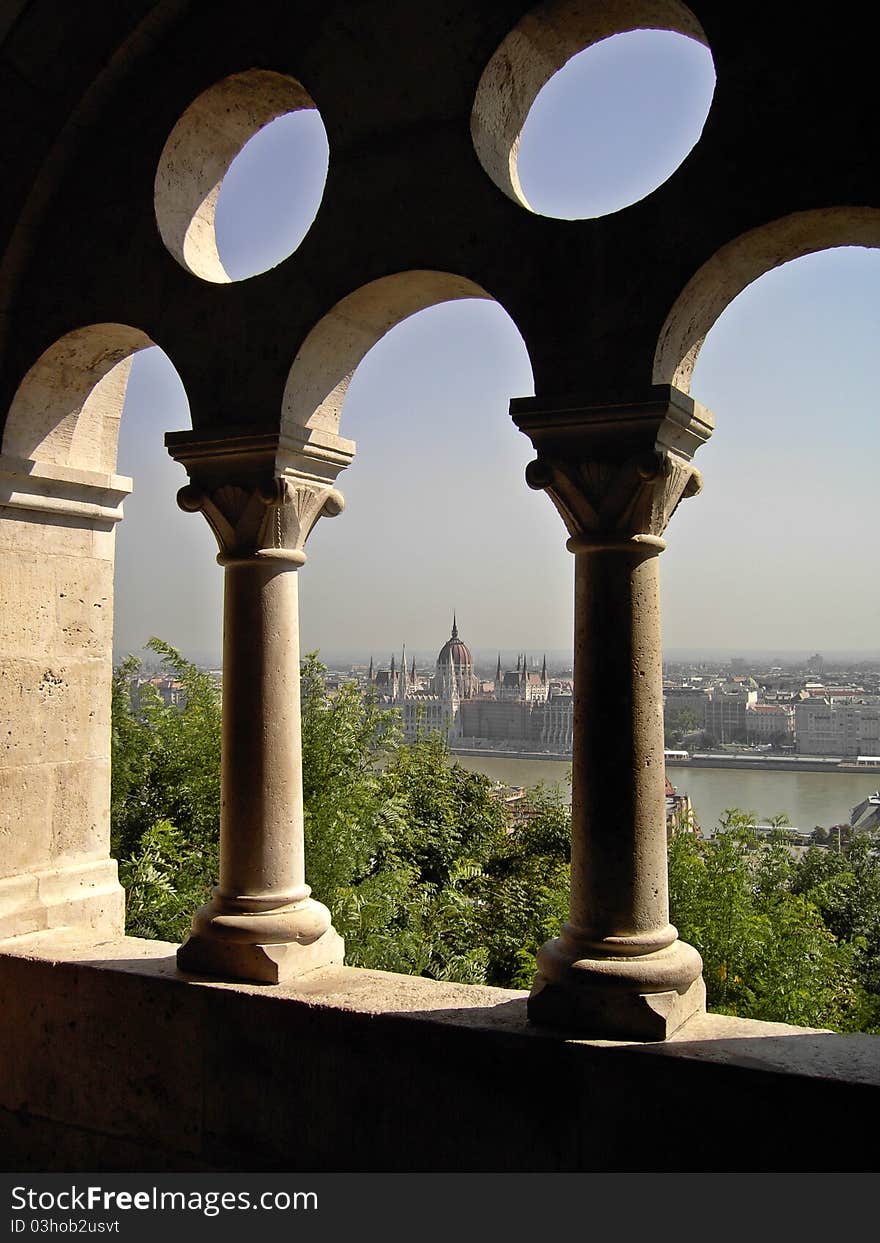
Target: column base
{"x": 614, "y": 1016}
{"x": 638, "y": 997}
{"x": 247, "y": 939}
{"x": 266, "y": 963}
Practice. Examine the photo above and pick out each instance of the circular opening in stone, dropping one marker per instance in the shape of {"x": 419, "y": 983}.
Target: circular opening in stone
{"x": 271, "y": 194}
{"x": 241, "y": 177}
{"x": 614, "y": 123}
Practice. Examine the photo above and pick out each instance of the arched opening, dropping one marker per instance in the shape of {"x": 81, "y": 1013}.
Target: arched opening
{"x": 773, "y": 563}
{"x": 585, "y": 109}
{"x": 438, "y": 528}
{"x": 67, "y": 408}
{"x": 210, "y": 207}
{"x": 68, "y": 414}
{"x": 167, "y": 581}
{"x": 735, "y": 266}
{"x": 422, "y": 366}
{"x": 790, "y": 368}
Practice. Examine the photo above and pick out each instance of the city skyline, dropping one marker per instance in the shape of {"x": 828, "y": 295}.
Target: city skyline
{"x": 775, "y": 555}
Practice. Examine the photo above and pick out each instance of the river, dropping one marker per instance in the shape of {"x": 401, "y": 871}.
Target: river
{"x": 808, "y": 799}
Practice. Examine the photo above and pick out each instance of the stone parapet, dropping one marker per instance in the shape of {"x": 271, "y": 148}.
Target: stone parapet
{"x": 111, "y": 1060}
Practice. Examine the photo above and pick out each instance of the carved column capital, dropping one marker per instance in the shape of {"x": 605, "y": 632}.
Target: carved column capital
{"x": 615, "y": 473}
{"x": 260, "y": 495}
{"x": 602, "y": 502}
{"x": 270, "y": 519}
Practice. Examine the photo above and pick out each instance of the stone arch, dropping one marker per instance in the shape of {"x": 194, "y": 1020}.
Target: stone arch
{"x": 323, "y": 368}
{"x": 67, "y": 408}
{"x": 736, "y": 265}
{"x": 534, "y": 50}
{"x": 197, "y": 156}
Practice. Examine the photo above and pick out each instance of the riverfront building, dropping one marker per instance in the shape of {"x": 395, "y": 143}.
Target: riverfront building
{"x": 832, "y": 727}
{"x": 522, "y": 709}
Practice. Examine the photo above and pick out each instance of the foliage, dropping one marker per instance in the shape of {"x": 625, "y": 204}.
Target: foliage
{"x": 345, "y": 737}
{"x": 525, "y": 895}
{"x": 417, "y": 906}
{"x": 163, "y": 883}
{"x": 165, "y": 793}
{"x": 394, "y": 836}
{"x": 678, "y": 723}
{"x": 767, "y": 952}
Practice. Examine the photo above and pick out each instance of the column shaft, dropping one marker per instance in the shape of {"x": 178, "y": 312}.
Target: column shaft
{"x": 619, "y": 884}
{"x": 261, "y": 819}
{"x": 618, "y": 970}
{"x": 262, "y": 923}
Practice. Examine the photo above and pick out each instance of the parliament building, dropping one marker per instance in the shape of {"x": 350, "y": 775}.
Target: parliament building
{"x": 520, "y": 709}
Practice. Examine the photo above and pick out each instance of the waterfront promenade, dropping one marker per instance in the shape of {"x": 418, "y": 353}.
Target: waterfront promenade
{"x": 759, "y": 762}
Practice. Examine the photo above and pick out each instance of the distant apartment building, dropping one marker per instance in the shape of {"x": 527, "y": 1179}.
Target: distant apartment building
{"x": 726, "y": 709}
{"x": 677, "y": 699}
{"x": 769, "y": 722}
{"x": 846, "y": 728}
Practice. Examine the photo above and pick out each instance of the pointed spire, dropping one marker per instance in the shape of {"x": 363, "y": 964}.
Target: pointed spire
{"x": 518, "y": 659}
{"x": 544, "y": 671}
{"x": 402, "y": 686}
{"x": 412, "y": 672}
{"x": 370, "y": 674}
{"x": 454, "y": 627}
{"x": 498, "y": 669}
{"x": 392, "y": 666}
{"x": 454, "y": 679}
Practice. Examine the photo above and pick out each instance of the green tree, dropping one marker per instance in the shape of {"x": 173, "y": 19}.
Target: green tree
{"x": 346, "y": 737}
{"x": 677, "y": 723}
{"x": 418, "y": 906}
{"x": 767, "y": 953}
{"x": 845, "y": 888}
{"x": 165, "y": 794}
{"x": 524, "y": 898}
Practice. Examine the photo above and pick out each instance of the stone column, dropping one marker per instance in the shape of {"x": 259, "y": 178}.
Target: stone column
{"x": 262, "y": 923}
{"x": 616, "y": 475}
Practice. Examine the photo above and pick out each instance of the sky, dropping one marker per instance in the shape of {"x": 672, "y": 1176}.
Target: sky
{"x": 777, "y": 555}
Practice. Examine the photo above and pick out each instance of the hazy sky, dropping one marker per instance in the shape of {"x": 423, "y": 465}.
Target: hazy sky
{"x": 778, "y": 553}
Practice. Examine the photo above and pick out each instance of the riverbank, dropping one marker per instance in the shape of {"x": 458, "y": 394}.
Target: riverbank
{"x": 830, "y": 764}
{"x": 557, "y": 757}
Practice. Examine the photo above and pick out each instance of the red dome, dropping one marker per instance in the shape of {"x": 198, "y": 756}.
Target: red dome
{"x": 455, "y": 649}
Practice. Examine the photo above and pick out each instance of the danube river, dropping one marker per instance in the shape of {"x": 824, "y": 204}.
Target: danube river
{"x": 807, "y": 799}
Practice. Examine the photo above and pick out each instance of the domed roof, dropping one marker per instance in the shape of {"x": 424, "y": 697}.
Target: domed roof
{"x": 455, "y": 649}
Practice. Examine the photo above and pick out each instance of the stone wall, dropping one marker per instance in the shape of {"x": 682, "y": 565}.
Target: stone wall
{"x": 111, "y": 1060}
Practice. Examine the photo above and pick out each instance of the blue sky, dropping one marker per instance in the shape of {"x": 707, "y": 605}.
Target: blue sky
{"x": 778, "y": 553}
